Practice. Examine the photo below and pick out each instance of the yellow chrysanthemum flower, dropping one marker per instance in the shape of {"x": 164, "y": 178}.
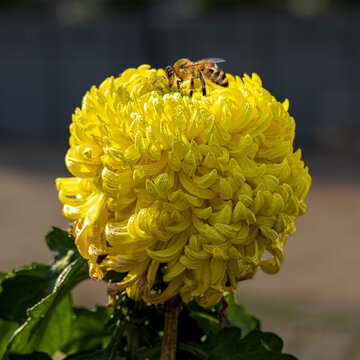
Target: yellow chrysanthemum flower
{"x": 182, "y": 194}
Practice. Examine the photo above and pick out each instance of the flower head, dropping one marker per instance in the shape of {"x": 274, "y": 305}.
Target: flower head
{"x": 182, "y": 194}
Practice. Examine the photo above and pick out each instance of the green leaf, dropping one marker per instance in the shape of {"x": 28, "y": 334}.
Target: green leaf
{"x": 267, "y": 346}
{"x": 239, "y": 317}
{"x": 228, "y": 345}
{"x": 34, "y": 356}
{"x": 49, "y": 324}
{"x": 206, "y": 318}
{"x": 23, "y": 288}
{"x": 148, "y": 353}
{"x": 225, "y": 345}
{"x": 86, "y": 355}
{"x": 63, "y": 245}
{"x": 7, "y": 328}
{"x": 194, "y": 349}
{"x": 2, "y": 276}
{"x": 60, "y": 242}
{"x": 89, "y": 330}
{"x": 114, "y": 276}
{"x": 47, "y": 328}
{"x": 26, "y": 286}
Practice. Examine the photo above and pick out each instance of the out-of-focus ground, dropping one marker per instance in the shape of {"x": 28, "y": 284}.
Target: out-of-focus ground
{"x": 313, "y": 303}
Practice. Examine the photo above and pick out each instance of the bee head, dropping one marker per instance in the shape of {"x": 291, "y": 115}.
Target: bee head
{"x": 169, "y": 74}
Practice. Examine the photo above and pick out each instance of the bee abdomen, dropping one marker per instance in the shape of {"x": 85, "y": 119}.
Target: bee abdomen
{"x": 215, "y": 74}
{"x": 222, "y": 80}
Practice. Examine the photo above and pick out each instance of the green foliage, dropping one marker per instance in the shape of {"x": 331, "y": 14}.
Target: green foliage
{"x": 34, "y": 356}
{"x": 48, "y": 326}
{"x": 89, "y": 330}
{"x": 2, "y": 275}
{"x": 61, "y": 243}
{"x": 25, "y": 287}
{"x": 228, "y": 345}
{"x": 86, "y": 355}
{"x": 37, "y": 319}
{"x": 208, "y": 319}
{"x": 239, "y": 317}
{"x": 114, "y": 276}
{"x": 38, "y": 298}
{"x": 7, "y": 328}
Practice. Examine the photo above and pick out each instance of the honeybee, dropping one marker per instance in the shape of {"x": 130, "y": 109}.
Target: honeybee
{"x": 185, "y": 70}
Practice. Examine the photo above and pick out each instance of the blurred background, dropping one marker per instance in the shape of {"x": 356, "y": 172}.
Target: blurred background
{"x": 53, "y": 51}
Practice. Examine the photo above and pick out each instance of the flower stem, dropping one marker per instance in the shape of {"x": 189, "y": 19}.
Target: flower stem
{"x": 172, "y": 311}
{"x": 115, "y": 341}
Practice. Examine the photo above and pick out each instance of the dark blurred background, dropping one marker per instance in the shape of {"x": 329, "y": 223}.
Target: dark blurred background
{"x": 53, "y": 51}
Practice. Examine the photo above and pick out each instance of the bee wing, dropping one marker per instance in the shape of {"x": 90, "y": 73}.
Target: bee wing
{"x": 204, "y": 61}
{"x": 214, "y": 60}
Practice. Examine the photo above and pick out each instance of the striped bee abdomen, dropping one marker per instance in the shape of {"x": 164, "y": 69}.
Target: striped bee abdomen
{"x": 215, "y": 74}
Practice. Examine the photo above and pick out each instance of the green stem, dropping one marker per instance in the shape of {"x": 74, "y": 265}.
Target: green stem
{"x": 132, "y": 333}
{"x": 110, "y": 353}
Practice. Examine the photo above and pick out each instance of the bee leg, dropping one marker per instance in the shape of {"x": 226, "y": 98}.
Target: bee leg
{"x": 191, "y": 87}
{"x": 202, "y": 82}
{"x": 178, "y": 82}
